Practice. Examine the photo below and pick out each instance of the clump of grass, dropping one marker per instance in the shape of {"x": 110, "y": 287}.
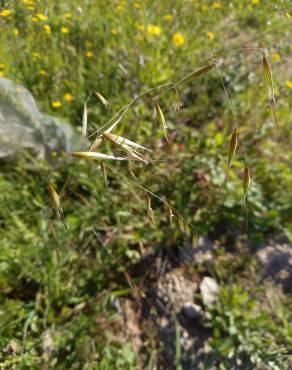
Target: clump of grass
{"x": 131, "y": 147}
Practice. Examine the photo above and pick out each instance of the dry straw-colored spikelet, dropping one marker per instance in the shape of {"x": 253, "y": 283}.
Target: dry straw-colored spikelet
{"x": 232, "y": 147}
{"x": 84, "y": 121}
{"x": 246, "y": 182}
{"x": 184, "y": 227}
{"x": 231, "y": 154}
{"x": 169, "y": 214}
{"x": 96, "y": 143}
{"x": 150, "y": 213}
{"x": 176, "y": 99}
{"x": 96, "y": 156}
{"x": 103, "y": 100}
{"x": 161, "y": 119}
{"x": 119, "y": 141}
{"x": 103, "y": 171}
{"x": 270, "y": 84}
{"x": 123, "y": 141}
{"x": 98, "y": 140}
{"x": 55, "y": 199}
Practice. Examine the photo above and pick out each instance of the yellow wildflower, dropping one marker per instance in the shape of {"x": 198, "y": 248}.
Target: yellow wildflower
{"x": 68, "y": 15}
{"x": 178, "y": 39}
{"x": 41, "y": 17}
{"x": 2, "y": 65}
{"x": 42, "y": 72}
{"x": 15, "y": 31}
{"x": 89, "y": 54}
{"x": 54, "y": 153}
{"x": 56, "y": 104}
{"x": 255, "y": 2}
{"x": 1, "y": 73}
{"x": 28, "y": 2}
{"x": 34, "y": 19}
{"x": 137, "y": 5}
{"x": 5, "y": 13}
{"x": 47, "y": 28}
{"x": 210, "y": 35}
{"x": 289, "y": 84}
{"x": 168, "y": 17}
{"x": 288, "y": 15}
{"x": 153, "y": 30}
{"x": 216, "y": 5}
{"x": 64, "y": 29}
{"x": 114, "y": 31}
{"x": 68, "y": 97}
{"x": 276, "y": 57}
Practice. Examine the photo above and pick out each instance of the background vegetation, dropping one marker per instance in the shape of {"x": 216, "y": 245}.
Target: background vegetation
{"x": 58, "y": 287}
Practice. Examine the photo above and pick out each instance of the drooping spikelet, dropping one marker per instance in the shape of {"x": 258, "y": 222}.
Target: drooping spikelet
{"x": 56, "y": 203}
{"x": 161, "y": 119}
{"x": 232, "y": 147}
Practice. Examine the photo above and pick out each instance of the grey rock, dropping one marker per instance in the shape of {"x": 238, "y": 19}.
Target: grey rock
{"x": 174, "y": 289}
{"x": 192, "y": 310}
{"x": 203, "y": 250}
{"x": 22, "y": 125}
{"x": 199, "y": 253}
{"x": 276, "y": 258}
{"x": 209, "y": 290}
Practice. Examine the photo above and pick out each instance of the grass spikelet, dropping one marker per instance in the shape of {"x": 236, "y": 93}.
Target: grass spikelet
{"x": 98, "y": 140}
{"x": 169, "y": 214}
{"x": 96, "y": 143}
{"x": 231, "y": 154}
{"x": 176, "y": 99}
{"x": 150, "y": 213}
{"x": 123, "y": 141}
{"x": 184, "y": 227}
{"x": 55, "y": 199}
{"x": 246, "y": 183}
{"x": 270, "y": 84}
{"x": 196, "y": 73}
{"x": 96, "y": 156}
{"x": 268, "y": 73}
{"x": 161, "y": 119}
{"x": 103, "y": 171}
{"x": 117, "y": 140}
{"x": 187, "y": 229}
{"x": 102, "y": 99}
{"x": 84, "y": 121}
{"x": 232, "y": 147}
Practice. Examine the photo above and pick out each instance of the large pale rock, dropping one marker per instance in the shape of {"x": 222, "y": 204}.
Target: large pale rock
{"x": 22, "y": 125}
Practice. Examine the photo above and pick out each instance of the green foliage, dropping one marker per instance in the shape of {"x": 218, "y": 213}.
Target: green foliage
{"x": 247, "y": 333}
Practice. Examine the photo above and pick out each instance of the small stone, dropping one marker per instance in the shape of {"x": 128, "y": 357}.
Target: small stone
{"x": 199, "y": 253}
{"x": 192, "y": 310}
{"x": 209, "y": 290}
{"x": 203, "y": 251}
